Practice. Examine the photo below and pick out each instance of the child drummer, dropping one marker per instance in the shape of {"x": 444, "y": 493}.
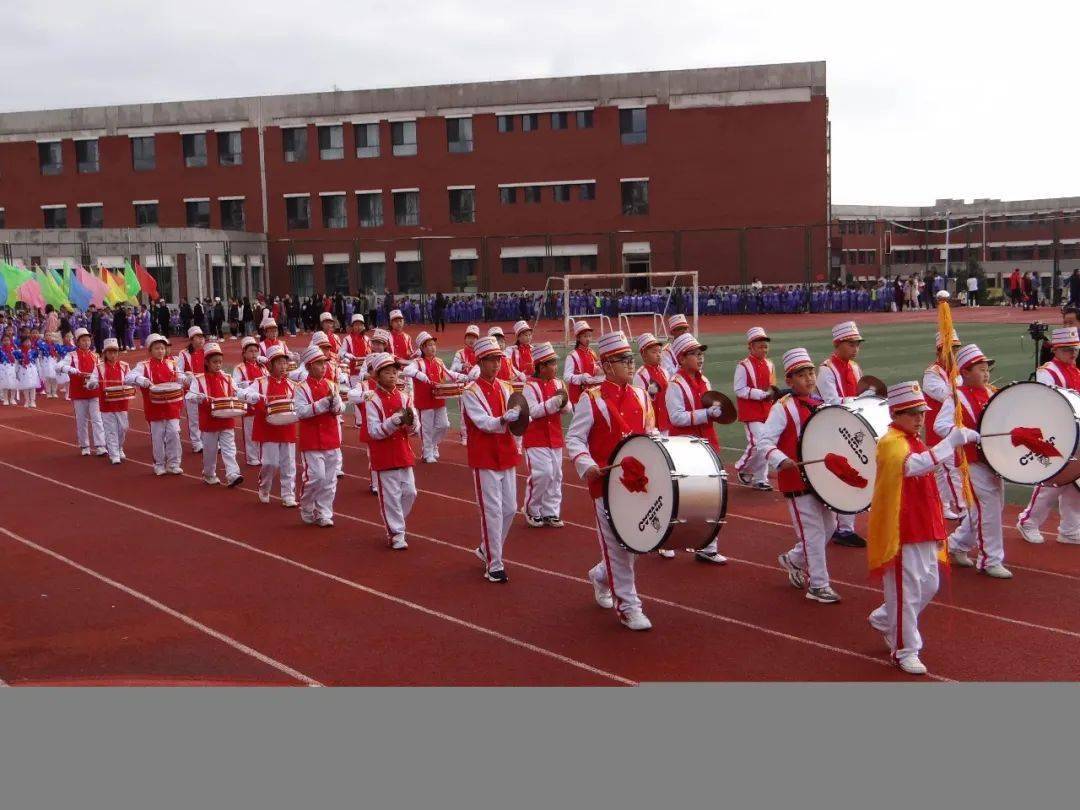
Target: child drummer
{"x": 244, "y": 374}
{"x": 427, "y": 371}
{"x": 318, "y": 406}
{"x": 543, "y": 441}
{"x": 109, "y": 375}
{"x": 277, "y": 443}
{"x": 217, "y": 433}
{"x": 163, "y": 413}
{"x": 811, "y": 519}
{"x": 907, "y": 525}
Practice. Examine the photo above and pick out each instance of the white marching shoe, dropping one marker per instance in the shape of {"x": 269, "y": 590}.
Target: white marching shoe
{"x": 1029, "y": 533}
{"x": 398, "y": 542}
{"x": 961, "y": 559}
{"x": 912, "y": 665}
{"x": 998, "y": 571}
{"x": 635, "y": 619}
{"x": 602, "y": 594}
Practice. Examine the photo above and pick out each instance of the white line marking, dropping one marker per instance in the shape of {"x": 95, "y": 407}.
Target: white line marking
{"x": 176, "y": 614}
{"x": 340, "y": 580}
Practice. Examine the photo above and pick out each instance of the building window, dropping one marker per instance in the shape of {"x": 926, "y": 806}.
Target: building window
{"x": 146, "y": 215}
{"x": 91, "y": 216}
{"x": 230, "y": 150}
{"x": 561, "y": 193}
{"x": 534, "y": 264}
{"x": 462, "y": 205}
{"x": 403, "y": 138}
{"x": 195, "y": 150}
{"x": 367, "y": 140}
{"x": 373, "y": 276}
{"x": 331, "y": 142}
{"x": 463, "y": 275}
{"x": 50, "y": 158}
{"x": 584, "y": 119}
{"x": 508, "y": 195}
{"x": 586, "y": 191}
{"x": 506, "y": 123}
{"x": 632, "y": 125}
{"x": 337, "y": 279}
{"x": 532, "y": 194}
{"x": 409, "y": 277}
{"x": 459, "y": 134}
{"x": 294, "y": 144}
{"x": 143, "y": 157}
{"x": 635, "y": 197}
{"x": 55, "y": 218}
{"x": 588, "y": 264}
{"x": 303, "y": 280}
{"x": 297, "y": 213}
{"x": 530, "y": 122}
{"x": 333, "y": 211}
{"x": 561, "y": 265}
{"x": 369, "y": 209}
{"x": 560, "y": 120}
{"x": 232, "y": 214}
{"x": 198, "y": 213}
{"x": 509, "y": 266}
{"x": 3, "y": 220}
{"x": 86, "y": 157}
{"x": 407, "y": 207}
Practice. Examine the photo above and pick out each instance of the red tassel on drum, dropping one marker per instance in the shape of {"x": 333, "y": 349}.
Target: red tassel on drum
{"x": 842, "y": 469}
{"x": 633, "y": 475}
{"x": 1032, "y": 439}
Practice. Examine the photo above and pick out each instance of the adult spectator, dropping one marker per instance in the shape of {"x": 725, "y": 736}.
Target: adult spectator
{"x": 1074, "y": 288}
{"x": 371, "y": 303}
{"x": 186, "y": 316}
{"x": 52, "y": 320}
{"x": 164, "y": 318}
{"x": 973, "y": 290}
{"x": 97, "y": 328}
{"x": 120, "y": 323}
{"x": 234, "y": 318}
{"x": 1016, "y": 288}
{"x": 219, "y": 317}
{"x": 438, "y": 312}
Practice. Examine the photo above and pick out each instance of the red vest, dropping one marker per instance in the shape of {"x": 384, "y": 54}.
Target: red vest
{"x": 759, "y": 375}
{"x": 490, "y": 451}
{"x": 468, "y": 359}
{"x": 265, "y": 345}
{"x": 394, "y": 452}
{"x": 791, "y": 480}
{"x": 547, "y": 430}
{"x": 401, "y": 345}
{"x": 194, "y": 361}
{"x": 319, "y": 432}
{"x": 656, "y": 374}
{"x": 84, "y": 361}
{"x": 626, "y": 408}
{"x": 506, "y": 370}
{"x": 584, "y": 363}
{"x": 698, "y": 385}
{"x": 422, "y": 396}
{"x": 934, "y": 406}
{"x": 215, "y": 385}
{"x": 160, "y": 371}
{"x": 273, "y": 389}
{"x": 977, "y": 399}
{"x": 358, "y": 347}
{"x": 848, "y": 380}
{"x": 920, "y": 505}
{"x": 112, "y": 374}
{"x": 368, "y": 386}
{"x": 522, "y": 357}
{"x": 1064, "y": 376}
{"x": 249, "y": 372}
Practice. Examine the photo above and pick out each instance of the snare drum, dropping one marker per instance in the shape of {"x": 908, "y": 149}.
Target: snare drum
{"x": 851, "y": 430}
{"x": 518, "y": 386}
{"x": 1055, "y": 411}
{"x": 118, "y": 393}
{"x": 166, "y": 393}
{"x": 227, "y": 408}
{"x": 281, "y": 412}
{"x": 681, "y": 499}
{"x": 447, "y": 390}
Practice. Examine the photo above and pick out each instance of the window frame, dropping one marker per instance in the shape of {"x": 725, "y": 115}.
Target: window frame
{"x": 137, "y": 207}
{"x": 377, "y": 197}
{"x": 188, "y": 210}
{"x": 191, "y": 161}
{"x": 292, "y": 222}
{"x": 138, "y": 145}
{"x": 405, "y": 148}
{"x": 326, "y": 219}
{"x": 52, "y": 148}
{"x": 229, "y": 224}
{"x": 632, "y": 207}
{"x": 331, "y": 152}
{"x": 81, "y": 163}
{"x": 299, "y": 151}
{"x": 98, "y": 209}
{"x": 228, "y": 157}
{"x": 459, "y": 145}
{"x": 404, "y": 218}
{"x": 370, "y": 151}
{"x": 458, "y": 213}
{"x": 48, "y": 213}
{"x": 632, "y": 136}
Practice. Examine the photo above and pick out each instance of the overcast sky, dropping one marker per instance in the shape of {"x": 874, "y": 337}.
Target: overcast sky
{"x": 927, "y": 100}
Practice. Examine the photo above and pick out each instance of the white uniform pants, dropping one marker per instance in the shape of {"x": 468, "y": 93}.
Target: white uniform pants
{"x": 251, "y": 447}
{"x": 616, "y": 566}
{"x": 461, "y": 423}
{"x": 950, "y": 484}
{"x": 165, "y": 443}
{"x": 88, "y": 415}
{"x": 543, "y": 492}
{"x": 224, "y": 442}
{"x": 496, "y": 495}
{"x": 318, "y": 486}
{"x": 910, "y": 583}
{"x": 397, "y": 494}
{"x": 845, "y": 523}
{"x": 981, "y": 527}
{"x": 1042, "y": 501}
{"x": 814, "y": 524}
{"x": 191, "y": 409}
{"x": 116, "y": 427}
{"x": 278, "y": 458}
{"x": 434, "y": 422}
{"x": 752, "y": 461}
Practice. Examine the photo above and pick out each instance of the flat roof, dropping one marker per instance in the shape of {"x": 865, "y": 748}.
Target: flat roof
{"x": 958, "y": 209}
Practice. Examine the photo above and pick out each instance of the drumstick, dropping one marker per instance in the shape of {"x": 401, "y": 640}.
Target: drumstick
{"x": 804, "y": 463}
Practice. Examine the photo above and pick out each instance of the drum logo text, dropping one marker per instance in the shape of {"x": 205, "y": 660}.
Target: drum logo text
{"x": 1029, "y": 457}
{"x": 650, "y": 518}
{"x": 855, "y": 442}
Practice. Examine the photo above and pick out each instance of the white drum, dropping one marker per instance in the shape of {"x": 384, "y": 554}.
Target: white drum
{"x": 1055, "y": 411}
{"x": 281, "y": 412}
{"x": 679, "y": 498}
{"x": 227, "y": 408}
{"x": 851, "y": 431}
{"x": 166, "y": 393}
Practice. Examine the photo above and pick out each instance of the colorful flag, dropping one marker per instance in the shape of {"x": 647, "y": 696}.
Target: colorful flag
{"x": 50, "y": 293}
{"x": 78, "y": 294}
{"x": 131, "y": 283}
{"x": 30, "y": 294}
{"x": 147, "y": 282}
{"x": 14, "y": 278}
{"x": 94, "y": 285}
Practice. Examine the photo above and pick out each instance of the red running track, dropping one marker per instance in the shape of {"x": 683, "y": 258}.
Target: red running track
{"x": 255, "y": 595}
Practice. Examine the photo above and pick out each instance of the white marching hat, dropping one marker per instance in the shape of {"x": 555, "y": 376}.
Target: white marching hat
{"x": 380, "y": 335}
{"x": 521, "y": 326}
{"x": 248, "y": 341}
{"x": 581, "y": 326}
{"x": 276, "y": 350}
{"x": 472, "y": 329}
{"x": 487, "y": 347}
{"x": 1065, "y": 337}
{"x": 496, "y": 330}
{"x": 311, "y": 354}
{"x": 151, "y": 339}
{"x": 193, "y": 331}
{"x": 110, "y": 343}
{"x": 320, "y": 339}
{"x": 970, "y": 355}
{"x": 381, "y": 360}
{"x": 358, "y": 318}
{"x": 326, "y": 316}
{"x": 80, "y": 332}
{"x": 955, "y": 339}
{"x": 755, "y": 333}
{"x": 797, "y": 359}
{"x": 542, "y": 352}
{"x": 423, "y": 338}
{"x": 212, "y": 348}
{"x": 396, "y": 313}
{"x": 684, "y": 343}
{"x": 675, "y": 321}
{"x": 612, "y": 344}
{"x": 905, "y": 396}
{"x": 645, "y": 340}
{"x": 268, "y": 323}
{"x": 848, "y": 330}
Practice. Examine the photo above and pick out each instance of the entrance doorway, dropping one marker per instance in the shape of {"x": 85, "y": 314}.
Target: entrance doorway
{"x": 636, "y": 263}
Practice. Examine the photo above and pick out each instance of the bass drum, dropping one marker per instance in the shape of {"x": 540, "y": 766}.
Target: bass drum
{"x": 1055, "y": 411}
{"x": 676, "y": 493}
{"x": 850, "y": 430}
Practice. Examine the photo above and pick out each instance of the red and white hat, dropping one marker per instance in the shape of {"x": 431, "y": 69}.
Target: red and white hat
{"x": 675, "y": 321}
{"x": 755, "y": 333}
{"x": 311, "y": 354}
{"x": 1065, "y": 337}
{"x": 684, "y": 343}
{"x": 613, "y": 344}
{"x": 542, "y": 352}
{"x": 110, "y": 343}
{"x": 423, "y": 338}
{"x": 581, "y": 326}
{"x": 80, "y": 332}
{"x": 320, "y": 339}
{"x": 212, "y": 348}
{"x": 357, "y": 318}
{"x": 268, "y": 323}
{"x": 150, "y": 339}
{"x": 645, "y": 340}
{"x": 326, "y": 316}
{"x": 396, "y": 313}
{"x": 193, "y": 331}
{"x": 847, "y": 330}
{"x": 796, "y": 360}
{"x": 248, "y": 341}
{"x": 496, "y": 330}
{"x": 521, "y": 326}
{"x": 380, "y": 335}
{"x": 906, "y": 396}
{"x": 970, "y": 355}
{"x": 937, "y": 339}
{"x": 472, "y": 329}
{"x": 277, "y": 350}
{"x": 381, "y": 360}
{"x": 487, "y": 347}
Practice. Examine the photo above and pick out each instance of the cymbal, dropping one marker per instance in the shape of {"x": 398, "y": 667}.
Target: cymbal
{"x": 868, "y": 382}
{"x": 521, "y": 424}
{"x": 729, "y": 414}
{"x": 407, "y": 417}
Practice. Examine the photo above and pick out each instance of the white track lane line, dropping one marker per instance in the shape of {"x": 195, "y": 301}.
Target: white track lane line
{"x": 340, "y": 580}
{"x": 239, "y": 646}
{"x": 537, "y": 569}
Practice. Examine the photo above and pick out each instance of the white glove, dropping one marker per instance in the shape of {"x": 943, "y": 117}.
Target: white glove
{"x": 512, "y": 415}
{"x": 261, "y": 360}
{"x": 599, "y": 378}
{"x": 142, "y": 382}
{"x": 970, "y": 436}
{"x": 323, "y": 405}
{"x": 960, "y": 436}
{"x": 715, "y": 412}
{"x": 553, "y": 404}
{"x": 422, "y": 377}
{"x": 474, "y": 372}
{"x": 397, "y": 419}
